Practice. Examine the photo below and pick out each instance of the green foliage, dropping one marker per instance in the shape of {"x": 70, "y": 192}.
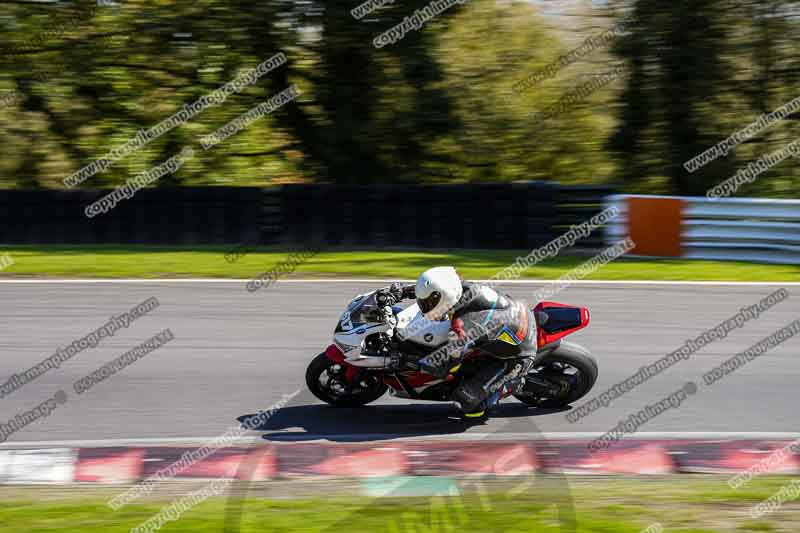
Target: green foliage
{"x": 78, "y": 80}
{"x": 435, "y": 106}
{"x": 701, "y": 70}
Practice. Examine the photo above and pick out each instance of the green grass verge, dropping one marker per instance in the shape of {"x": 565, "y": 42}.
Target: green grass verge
{"x": 156, "y": 262}
{"x": 686, "y": 504}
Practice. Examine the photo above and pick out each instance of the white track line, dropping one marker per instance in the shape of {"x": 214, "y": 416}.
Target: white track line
{"x": 256, "y": 438}
{"x": 379, "y": 280}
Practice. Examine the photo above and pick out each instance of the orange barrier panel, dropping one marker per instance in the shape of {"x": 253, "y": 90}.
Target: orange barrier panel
{"x": 654, "y": 224}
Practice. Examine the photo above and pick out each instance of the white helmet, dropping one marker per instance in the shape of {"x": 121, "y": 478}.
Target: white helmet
{"x": 438, "y": 289}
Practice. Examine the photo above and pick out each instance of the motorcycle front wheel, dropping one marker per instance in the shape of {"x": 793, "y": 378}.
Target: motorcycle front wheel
{"x": 571, "y": 368}
{"x": 326, "y": 380}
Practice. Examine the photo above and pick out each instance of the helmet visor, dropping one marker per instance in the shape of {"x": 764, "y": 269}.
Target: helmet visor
{"x": 426, "y": 305}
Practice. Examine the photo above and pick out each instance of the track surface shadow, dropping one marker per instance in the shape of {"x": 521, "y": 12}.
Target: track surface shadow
{"x": 378, "y": 422}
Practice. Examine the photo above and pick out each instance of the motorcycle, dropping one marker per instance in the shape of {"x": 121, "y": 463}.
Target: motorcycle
{"x": 375, "y": 349}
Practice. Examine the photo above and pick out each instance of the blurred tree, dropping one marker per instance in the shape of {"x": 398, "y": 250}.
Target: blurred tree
{"x": 500, "y": 139}
{"x": 701, "y": 70}
{"x": 80, "y": 79}
{"x": 675, "y": 52}
{"x": 173, "y": 56}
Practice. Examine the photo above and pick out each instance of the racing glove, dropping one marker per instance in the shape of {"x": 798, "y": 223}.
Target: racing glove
{"x": 394, "y": 294}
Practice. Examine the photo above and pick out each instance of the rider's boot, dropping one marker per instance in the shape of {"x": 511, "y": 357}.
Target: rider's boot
{"x": 482, "y": 390}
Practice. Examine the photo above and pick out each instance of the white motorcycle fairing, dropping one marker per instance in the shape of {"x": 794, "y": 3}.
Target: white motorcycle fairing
{"x": 410, "y": 325}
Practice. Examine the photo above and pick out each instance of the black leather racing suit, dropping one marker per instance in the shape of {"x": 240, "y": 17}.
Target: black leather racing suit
{"x": 482, "y": 318}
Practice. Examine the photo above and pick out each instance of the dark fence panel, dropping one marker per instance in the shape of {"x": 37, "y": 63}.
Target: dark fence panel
{"x": 201, "y": 215}
{"x": 494, "y": 216}
{"x": 579, "y": 203}
{"x": 503, "y": 215}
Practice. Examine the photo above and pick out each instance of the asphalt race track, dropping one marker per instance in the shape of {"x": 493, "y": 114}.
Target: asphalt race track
{"x": 236, "y": 352}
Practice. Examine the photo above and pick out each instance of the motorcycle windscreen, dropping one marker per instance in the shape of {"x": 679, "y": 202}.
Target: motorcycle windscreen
{"x": 364, "y": 311}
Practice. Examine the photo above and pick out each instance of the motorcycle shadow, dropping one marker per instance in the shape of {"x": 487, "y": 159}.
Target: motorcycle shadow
{"x": 381, "y": 422}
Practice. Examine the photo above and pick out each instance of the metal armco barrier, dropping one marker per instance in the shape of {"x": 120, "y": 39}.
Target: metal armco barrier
{"x": 500, "y": 216}
{"x": 740, "y": 229}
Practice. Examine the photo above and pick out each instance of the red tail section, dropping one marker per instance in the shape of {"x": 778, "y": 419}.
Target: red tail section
{"x": 555, "y": 321}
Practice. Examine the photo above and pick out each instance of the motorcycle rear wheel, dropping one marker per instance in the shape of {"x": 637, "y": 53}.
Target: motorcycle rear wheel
{"x": 325, "y": 379}
{"x": 572, "y": 367}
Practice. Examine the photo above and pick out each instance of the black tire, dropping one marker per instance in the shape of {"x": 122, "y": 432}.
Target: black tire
{"x": 320, "y": 365}
{"x": 580, "y": 359}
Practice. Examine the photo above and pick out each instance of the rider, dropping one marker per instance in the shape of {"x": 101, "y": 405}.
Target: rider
{"x": 479, "y": 316}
